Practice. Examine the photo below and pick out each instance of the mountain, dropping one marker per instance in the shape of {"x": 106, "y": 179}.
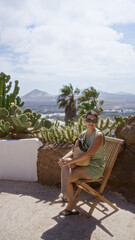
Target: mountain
{"x": 42, "y": 101}
{"x": 120, "y": 100}
{"x": 125, "y": 93}
{"x": 38, "y": 96}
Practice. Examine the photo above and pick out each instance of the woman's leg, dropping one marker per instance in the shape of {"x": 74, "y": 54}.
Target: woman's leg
{"x": 75, "y": 174}
{"x": 65, "y": 172}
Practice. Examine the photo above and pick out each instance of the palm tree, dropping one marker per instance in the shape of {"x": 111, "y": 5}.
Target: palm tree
{"x": 89, "y": 101}
{"x": 67, "y": 100}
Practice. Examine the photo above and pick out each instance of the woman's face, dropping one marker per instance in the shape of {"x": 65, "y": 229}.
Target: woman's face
{"x": 90, "y": 121}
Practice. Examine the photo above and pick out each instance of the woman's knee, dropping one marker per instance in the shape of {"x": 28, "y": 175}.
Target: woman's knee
{"x": 78, "y": 173}
{"x": 74, "y": 175}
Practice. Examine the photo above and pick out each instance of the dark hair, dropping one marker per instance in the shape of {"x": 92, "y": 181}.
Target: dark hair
{"x": 91, "y": 112}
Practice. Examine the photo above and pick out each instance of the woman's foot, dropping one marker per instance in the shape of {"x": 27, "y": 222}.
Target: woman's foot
{"x": 60, "y": 200}
{"x": 67, "y": 212}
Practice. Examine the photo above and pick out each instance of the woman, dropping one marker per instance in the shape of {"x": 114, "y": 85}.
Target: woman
{"x": 71, "y": 172}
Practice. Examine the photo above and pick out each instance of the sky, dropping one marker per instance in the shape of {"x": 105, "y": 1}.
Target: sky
{"x": 45, "y": 44}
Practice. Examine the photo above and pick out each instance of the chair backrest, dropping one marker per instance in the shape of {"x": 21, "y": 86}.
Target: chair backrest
{"x": 112, "y": 148}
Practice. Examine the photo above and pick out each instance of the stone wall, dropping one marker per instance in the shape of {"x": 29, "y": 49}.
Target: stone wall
{"x": 122, "y": 178}
{"x": 48, "y": 170}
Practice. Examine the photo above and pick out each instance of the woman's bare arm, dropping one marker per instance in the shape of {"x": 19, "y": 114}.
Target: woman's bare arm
{"x": 68, "y": 155}
{"x": 97, "y": 143}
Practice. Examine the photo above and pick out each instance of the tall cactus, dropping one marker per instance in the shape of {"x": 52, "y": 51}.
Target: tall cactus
{"x": 5, "y": 98}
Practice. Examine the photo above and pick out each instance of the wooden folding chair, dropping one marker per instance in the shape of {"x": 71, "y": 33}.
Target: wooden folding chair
{"x": 112, "y": 148}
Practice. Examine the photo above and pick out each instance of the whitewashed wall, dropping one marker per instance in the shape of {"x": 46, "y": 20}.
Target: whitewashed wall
{"x": 18, "y": 159}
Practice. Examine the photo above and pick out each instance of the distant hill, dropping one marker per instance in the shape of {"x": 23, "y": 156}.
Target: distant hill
{"x": 42, "y": 101}
{"x": 117, "y": 100}
{"x": 38, "y": 96}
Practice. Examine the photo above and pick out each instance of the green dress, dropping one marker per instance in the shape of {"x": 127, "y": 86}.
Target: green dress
{"x": 97, "y": 161}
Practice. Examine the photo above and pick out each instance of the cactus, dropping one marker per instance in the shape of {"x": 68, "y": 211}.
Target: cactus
{"x": 100, "y": 124}
{"x": 5, "y": 128}
{"x": 15, "y": 121}
{"x": 3, "y": 113}
{"x": 18, "y": 102}
{"x": 34, "y": 118}
{"x": 27, "y": 110}
{"x": 5, "y": 98}
{"x": 46, "y": 123}
{"x": 4, "y": 88}
{"x": 24, "y": 122}
{"x": 80, "y": 126}
{"x": 37, "y": 125}
{"x": 42, "y": 123}
{"x": 103, "y": 124}
{"x": 71, "y": 133}
{"x": 57, "y": 124}
{"x": 60, "y": 134}
{"x": 120, "y": 126}
{"x": 21, "y": 123}
{"x": 65, "y": 134}
{"x": 18, "y": 111}
{"x": 12, "y": 109}
{"x": 112, "y": 128}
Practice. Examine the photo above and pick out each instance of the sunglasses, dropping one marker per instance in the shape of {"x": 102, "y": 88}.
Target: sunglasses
{"x": 88, "y": 120}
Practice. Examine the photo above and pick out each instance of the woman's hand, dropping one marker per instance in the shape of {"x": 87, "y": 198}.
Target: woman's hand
{"x": 63, "y": 162}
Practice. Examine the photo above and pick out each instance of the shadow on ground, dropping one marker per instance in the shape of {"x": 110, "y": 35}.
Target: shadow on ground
{"x": 49, "y": 194}
{"x": 71, "y": 227}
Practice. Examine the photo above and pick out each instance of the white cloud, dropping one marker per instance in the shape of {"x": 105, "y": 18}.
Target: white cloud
{"x": 67, "y": 41}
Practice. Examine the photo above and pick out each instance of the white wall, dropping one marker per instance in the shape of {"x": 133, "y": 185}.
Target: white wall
{"x": 18, "y": 159}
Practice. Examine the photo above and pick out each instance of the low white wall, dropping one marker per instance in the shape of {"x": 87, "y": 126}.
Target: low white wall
{"x": 18, "y": 159}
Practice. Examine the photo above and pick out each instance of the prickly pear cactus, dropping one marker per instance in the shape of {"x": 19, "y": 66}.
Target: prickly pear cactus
{"x": 46, "y": 123}
{"x": 12, "y": 109}
{"x": 21, "y": 123}
{"x": 34, "y": 118}
{"x": 5, "y": 128}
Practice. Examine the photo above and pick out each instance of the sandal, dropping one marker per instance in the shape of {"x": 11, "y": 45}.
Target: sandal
{"x": 67, "y": 212}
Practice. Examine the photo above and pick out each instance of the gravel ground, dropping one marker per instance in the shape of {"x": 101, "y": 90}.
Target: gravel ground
{"x": 27, "y": 212}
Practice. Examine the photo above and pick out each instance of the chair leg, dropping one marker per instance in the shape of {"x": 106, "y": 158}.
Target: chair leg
{"x": 109, "y": 203}
{"x": 95, "y": 202}
{"x": 93, "y": 207}
{"x": 97, "y": 195}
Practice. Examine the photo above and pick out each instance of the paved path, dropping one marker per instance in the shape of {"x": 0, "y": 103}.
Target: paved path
{"x": 27, "y": 213}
